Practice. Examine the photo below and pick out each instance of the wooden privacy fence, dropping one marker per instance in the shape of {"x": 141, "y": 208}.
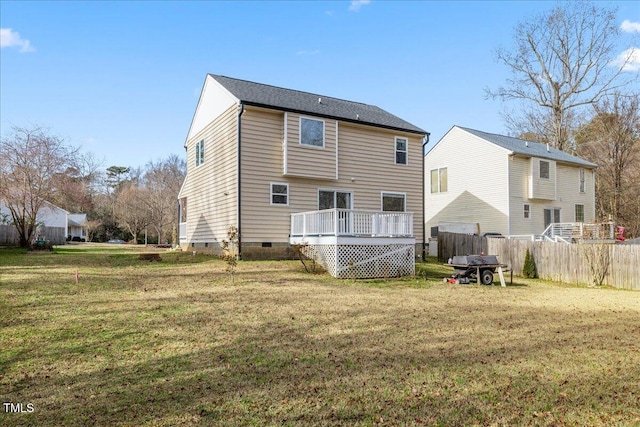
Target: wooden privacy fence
{"x": 569, "y": 263}
{"x": 9, "y": 235}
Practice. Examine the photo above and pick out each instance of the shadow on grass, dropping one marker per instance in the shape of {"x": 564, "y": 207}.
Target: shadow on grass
{"x": 344, "y": 368}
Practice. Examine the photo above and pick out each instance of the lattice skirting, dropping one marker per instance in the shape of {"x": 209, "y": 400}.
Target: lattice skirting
{"x": 364, "y": 261}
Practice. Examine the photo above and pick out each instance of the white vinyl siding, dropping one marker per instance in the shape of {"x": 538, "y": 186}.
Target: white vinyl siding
{"x": 542, "y": 179}
{"x": 473, "y": 195}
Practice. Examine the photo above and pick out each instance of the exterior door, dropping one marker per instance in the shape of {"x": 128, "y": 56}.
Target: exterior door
{"x": 330, "y": 199}
{"x": 551, "y": 215}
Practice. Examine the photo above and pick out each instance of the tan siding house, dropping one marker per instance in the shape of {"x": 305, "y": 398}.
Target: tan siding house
{"x": 504, "y": 184}
{"x": 256, "y": 154}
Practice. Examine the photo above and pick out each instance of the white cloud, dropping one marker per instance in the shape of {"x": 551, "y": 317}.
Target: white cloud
{"x": 357, "y": 4}
{"x": 307, "y": 52}
{"x": 630, "y": 27}
{"x": 629, "y": 60}
{"x": 10, "y": 38}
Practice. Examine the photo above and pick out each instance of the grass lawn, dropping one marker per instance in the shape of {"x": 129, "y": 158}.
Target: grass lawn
{"x": 175, "y": 344}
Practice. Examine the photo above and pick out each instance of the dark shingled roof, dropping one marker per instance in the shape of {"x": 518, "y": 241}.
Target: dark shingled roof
{"x": 529, "y": 148}
{"x": 262, "y": 95}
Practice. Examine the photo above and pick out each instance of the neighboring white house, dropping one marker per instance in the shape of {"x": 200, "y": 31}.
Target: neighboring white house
{"x": 505, "y": 184}
{"x": 53, "y": 224}
{"x": 77, "y": 225}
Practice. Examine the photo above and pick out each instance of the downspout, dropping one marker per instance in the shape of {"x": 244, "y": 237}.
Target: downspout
{"x": 239, "y": 206}
{"x": 424, "y": 229}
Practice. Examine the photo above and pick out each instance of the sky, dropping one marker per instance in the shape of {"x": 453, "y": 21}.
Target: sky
{"x": 121, "y": 79}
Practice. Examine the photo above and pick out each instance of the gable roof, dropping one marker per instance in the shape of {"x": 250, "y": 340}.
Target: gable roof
{"x": 529, "y": 148}
{"x": 262, "y": 95}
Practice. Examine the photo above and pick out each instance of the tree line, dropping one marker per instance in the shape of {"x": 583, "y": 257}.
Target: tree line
{"x": 121, "y": 202}
{"x": 566, "y": 87}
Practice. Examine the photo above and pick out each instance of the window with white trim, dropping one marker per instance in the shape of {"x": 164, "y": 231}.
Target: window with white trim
{"x": 582, "y": 180}
{"x": 544, "y": 169}
{"x": 311, "y": 132}
{"x": 200, "y": 153}
{"x": 579, "y": 210}
{"x": 439, "y": 180}
{"x": 331, "y": 199}
{"x": 279, "y": 193}
{"x": 394, "y": 202}
{"x": 402, "y": 156}
{"x": 527, "y": 211}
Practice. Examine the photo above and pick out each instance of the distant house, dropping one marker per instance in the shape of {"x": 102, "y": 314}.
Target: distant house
{"x": 506, "y": 185}
{"x": 285, "y": 166}
{"x": 77, "y": 226}
{"x": 53, "y": 225}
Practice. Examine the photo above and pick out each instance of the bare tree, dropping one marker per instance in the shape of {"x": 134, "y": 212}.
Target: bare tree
{"x": 162, "y": 181}
{"x": 612, "y": 140}
{"x": 130, "y": 211}
{"x": 29, "y": 162}
{"x": 562, "y": 61}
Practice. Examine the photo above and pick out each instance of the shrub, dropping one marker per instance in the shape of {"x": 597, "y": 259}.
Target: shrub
{"x": 41, "y": 245}
{"x": 529, "y": 268}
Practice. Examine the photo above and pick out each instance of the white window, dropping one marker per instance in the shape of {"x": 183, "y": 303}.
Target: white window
{"x": 200, "y": 153}
{"x": 544, "y": 169}
{"x": 279, "y": 194}
{"x": 330, "y": 199}
{"x": 579, "y": 213}
{"x": 402, "y": 157}
{"x": 527, "y": 211}
{"x": 582, "y": 182}
{"x": 439, "y": 180}
{"x": 311, "y": 132}
{"x": 394, "y": 202}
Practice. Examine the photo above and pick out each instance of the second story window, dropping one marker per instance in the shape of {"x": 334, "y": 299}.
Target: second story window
{"x": 582, "y": 180}
{"x": 200, "y": 153}
{"x": 311, "y": 132}
{"x": 544, "y": 169}
{"x": 401, "y": 151}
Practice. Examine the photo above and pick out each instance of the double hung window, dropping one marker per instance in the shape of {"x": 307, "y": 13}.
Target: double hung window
{"x": 200, "y": 153}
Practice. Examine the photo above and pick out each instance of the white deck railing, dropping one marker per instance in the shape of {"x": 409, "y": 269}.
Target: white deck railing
{"x": 348, "y": 222}
{"x": 568, "y": 231}
{"x": 182, "y": 234}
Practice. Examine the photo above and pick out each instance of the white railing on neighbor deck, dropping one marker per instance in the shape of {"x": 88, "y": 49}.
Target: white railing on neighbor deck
{"x": 349, "y": 222}
{"x": 182, "y": 231}
{"x": 572, "y": 231}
